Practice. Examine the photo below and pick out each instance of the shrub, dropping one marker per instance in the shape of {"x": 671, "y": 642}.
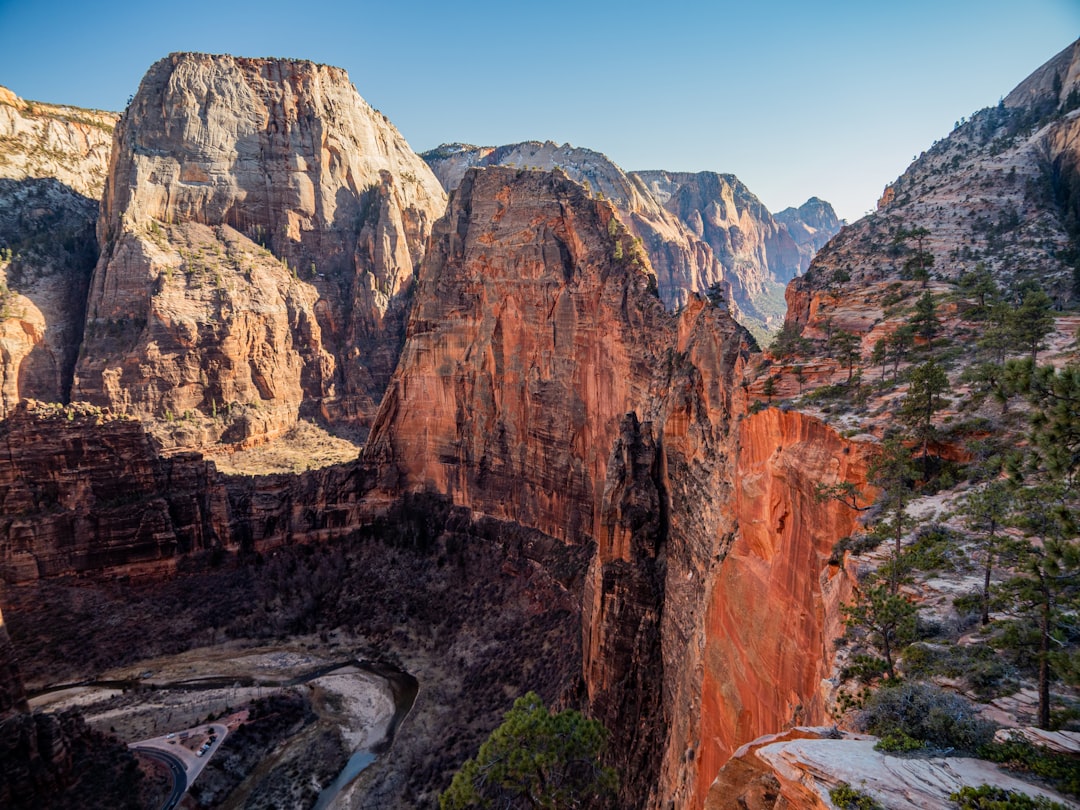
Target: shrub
{"x": 1018, "y": 754}
{"x": 988, "y": 797}
{"x": 927, "y": 713}
{"x": 846, "y": 797}
{"x": 897, "y": 742}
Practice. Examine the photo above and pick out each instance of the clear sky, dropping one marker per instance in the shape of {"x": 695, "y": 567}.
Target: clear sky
{"x": 797, "y": 97}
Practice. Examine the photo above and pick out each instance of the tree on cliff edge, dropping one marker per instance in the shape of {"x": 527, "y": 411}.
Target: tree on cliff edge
{"x": 536, "y": 759}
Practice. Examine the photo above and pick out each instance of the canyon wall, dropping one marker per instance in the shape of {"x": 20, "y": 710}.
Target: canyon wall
{"x": 773, "y": 610}
{"x": 53, "y": 162}
{"x": 683, "y": 264}
{"x": 83, "y": 492}
{"x": 261, "y": 226}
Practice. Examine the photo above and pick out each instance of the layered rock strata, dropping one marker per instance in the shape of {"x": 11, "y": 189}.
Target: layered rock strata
{"x": 80, "y": 492}
{"x": 759, "y": 252}
{"x": 543, "y": 382}
{"x": 999, "y": 192}
{"x": 261, "y": 226}
{"x": 677, "y": 215}
{"x": 53, "y": 162}
{"x": 683, "y": 264}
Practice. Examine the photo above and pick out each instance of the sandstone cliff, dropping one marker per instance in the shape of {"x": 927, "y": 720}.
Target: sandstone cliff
{"x": 773, "y": 607}
{"x": 82, "y": 492}
{"x": 759, "y": 252}
{"x": 683, "y": 264}
{"x": 699, "y": 230}
{"x": 261, "y": 226}
{"x": 69, "y": 144}
{"x": 811, "y": 226}
{"x": 12, "y": 695}
{"x": 998, "y": 191}
{"x": 53, "y": 162}
{"x": 574, "y": 404}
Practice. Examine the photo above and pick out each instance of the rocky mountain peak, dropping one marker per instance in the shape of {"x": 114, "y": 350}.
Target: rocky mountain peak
{"x": 261, "y": 227}
{"x": 1051, "y": 84}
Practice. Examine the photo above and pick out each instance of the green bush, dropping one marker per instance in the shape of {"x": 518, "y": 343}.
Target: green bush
{"x": 988, "y": 797}
{"x": 926, "y": 713}
{"x": 1017, "y": 754}
{"x": 846, "y": 797}
{"x": 982, "y": 669}
{"x": 897, "y": 742}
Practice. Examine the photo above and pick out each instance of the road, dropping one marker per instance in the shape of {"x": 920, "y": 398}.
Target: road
{"x": 184, "y": 763}
{"x": 179, "y": 777}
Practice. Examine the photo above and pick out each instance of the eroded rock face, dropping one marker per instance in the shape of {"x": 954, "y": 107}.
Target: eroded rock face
{"x": 69, "y": 144}
{"x": 683, "y": 264}
{"x": 53, "y": 162}
{"x": 522, "y": 353}
{"x": 997, "y": 192}
{"x": 773, "y": 607}
{"x": 80, "y": 492}
{"x": 261, "y": 226}
{"x": 12, "y": 695}
{"x": 759, "y": 252}
{"x": 811, "y": 226}
{"x": 543, "y": 382}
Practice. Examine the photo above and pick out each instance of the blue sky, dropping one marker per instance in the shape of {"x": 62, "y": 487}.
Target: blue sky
{"x": 822, "y": 98}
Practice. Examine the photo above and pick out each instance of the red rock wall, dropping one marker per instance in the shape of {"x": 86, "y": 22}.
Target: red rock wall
{"x": 773, "y": 608}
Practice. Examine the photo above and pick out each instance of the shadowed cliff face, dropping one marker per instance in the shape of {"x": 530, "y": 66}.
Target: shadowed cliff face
{"x": 12, "y": 696}
{"x": 53, "y": 162}
{"x": 261, "y": 225}
{"x": 543, "y": 382}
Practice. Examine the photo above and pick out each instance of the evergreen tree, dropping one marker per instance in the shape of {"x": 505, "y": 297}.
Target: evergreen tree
{"x": 925, "y": 320}
{"x": 892, "y": 472}
{"x": 996, "y": 339}
{"x": 1033, "y": 321}
{"x": 846, "y": 348}
{"x": 899, "y": 345}
{"x": 535, "y": 759}
{"x": 985, "y": 513}
{"x": 924, "y": 398}
{"x": 879, "y": 356}
{"x": 887, "y": 617}
{"x": 789, "y": 343}
{"x": 980, "y": 284}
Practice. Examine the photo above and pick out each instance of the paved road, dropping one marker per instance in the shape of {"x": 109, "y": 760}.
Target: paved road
{"x": 176, "y": 766}
{"x": 184, "y": 763}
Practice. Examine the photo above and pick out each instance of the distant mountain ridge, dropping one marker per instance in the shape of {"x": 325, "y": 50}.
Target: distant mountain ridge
{"x": 700, "y": 230}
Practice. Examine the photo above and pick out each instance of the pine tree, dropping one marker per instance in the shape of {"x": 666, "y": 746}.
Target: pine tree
{"x": 535, "y": 759}
{"x": 924, "y": 398}
{"x": 925, "y": 320}
{"x": 1033, "y": 321}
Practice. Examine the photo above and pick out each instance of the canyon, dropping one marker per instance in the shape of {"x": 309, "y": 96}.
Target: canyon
{"x": 567, "y": 476}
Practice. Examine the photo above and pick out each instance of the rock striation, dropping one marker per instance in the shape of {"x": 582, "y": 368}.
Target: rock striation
{"x": 674, "y": 214}
{"x": 682, "y": 264}
{"x": 53, "y": 162}
{"x": 998, "y": 192}
{"x": 773, "y": 607}
{"x": 82, "y": 492}
{"x": 759, "y": 252}
{"x": 261, "y": 226}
